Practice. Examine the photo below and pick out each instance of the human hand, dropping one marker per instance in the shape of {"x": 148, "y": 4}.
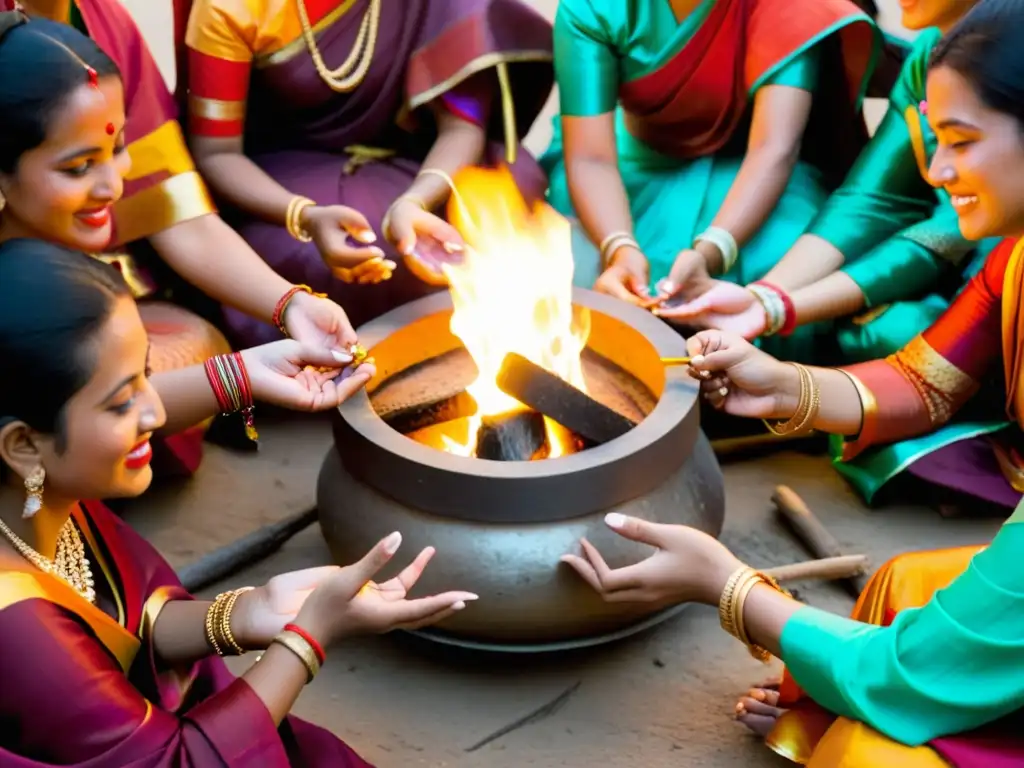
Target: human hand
{"x": 318, "y": 322}
{"x": 259, "y": 615}
{"x": 737, "y": 377}
{"x": 303, "y": 377}
{"x": 688, "y": 565}
{"x": 333, "y": 229}
{"x": 687, "y": 279}
{"x": 725, "y": 306}
{"x": 626, "y": 277}
{"x": 349, "y": 603}
{"x": 426, "y": 241}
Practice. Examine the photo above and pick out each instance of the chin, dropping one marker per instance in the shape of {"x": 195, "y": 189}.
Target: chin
{"x": 978, "y": 226}
{"x": 131, "y": 484}
{"x": 90, "y": 240}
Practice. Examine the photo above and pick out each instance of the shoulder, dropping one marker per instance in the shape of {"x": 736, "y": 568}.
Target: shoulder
{"x": 216, "y": 26}
{"x": 600, "y": 20}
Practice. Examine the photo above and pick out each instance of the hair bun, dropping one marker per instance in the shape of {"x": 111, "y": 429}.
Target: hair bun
{"x": 9, "y": 20}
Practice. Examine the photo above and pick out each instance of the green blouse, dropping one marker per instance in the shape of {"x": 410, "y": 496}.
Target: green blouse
{"x": 948, "y": 667}
{"x": 600, "y": 44}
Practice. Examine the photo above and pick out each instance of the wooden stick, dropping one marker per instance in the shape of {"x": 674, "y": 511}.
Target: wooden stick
{"x": 809, "y": 530}
{"x": 826, "y": 569}
{"x": 667, "y": 361}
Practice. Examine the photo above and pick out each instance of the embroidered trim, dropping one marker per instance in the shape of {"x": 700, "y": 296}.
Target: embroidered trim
{"x": 940, "y": 384}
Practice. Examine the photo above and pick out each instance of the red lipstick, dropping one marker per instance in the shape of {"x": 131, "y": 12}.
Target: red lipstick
{"x": 139, "y": 456}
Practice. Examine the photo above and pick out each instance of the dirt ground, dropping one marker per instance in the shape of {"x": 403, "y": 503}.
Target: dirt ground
{"x": 662, "y": 698}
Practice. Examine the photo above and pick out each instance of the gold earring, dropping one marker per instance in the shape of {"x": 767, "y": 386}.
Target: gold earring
{"x": 34, "y": 492}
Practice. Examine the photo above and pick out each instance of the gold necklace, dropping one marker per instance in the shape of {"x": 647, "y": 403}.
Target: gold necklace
{"x": 353, "y": 70}
{"x": 70, "y": 563}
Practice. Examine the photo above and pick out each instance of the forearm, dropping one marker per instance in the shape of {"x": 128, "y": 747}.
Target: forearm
{"x": 179, "y": 634}
{"x": 187, "y": 396}
{"x": 214, "y": 258}
{"x": 834, "y": 296}
{"x": 459, "y": 144}
{"x": 599, "y": 197}
{"x": 811, "y": 258}
{"x": 245, "y": 185}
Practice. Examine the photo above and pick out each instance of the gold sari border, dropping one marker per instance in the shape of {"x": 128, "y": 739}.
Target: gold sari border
{"x": 940, "y": 384}
{"x": 216, "y": 109}
{"x": 297, "y": 46}
{"x": 913, "y": 120}
{"x": 108, "y": 573}
{"x": 151, "y": 610}
{"x": 473, "y": 67}
{"x": 161, "y": 151}
{"x": 180, "y": 198}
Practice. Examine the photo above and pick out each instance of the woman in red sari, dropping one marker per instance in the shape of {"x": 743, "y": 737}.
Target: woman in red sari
{"x": 332, "y": 129}
{"x": 105, "y": 659}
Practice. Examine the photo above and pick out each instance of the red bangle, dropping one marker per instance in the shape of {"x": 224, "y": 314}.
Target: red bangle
{"x": 790, "y": 323}
{"x": 317, "y": 648}
{"x": 219, "y": 392}
{"x": 278, "y": 317}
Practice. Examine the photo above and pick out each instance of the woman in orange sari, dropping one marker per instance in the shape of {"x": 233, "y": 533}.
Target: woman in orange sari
{"x": 929, "y": 672}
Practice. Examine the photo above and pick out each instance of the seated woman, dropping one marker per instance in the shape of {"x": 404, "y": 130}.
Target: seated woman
{"x": 325, "y": 123}
{"x": 887, "y": 241}
{"x": 691, "y": 130}
{"x": 70, "y": 148}
{"x": 122, "y": 664}
{"x": 946, "y": 669}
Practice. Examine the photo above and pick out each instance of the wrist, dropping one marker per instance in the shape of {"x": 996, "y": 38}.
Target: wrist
{"x": 717, "y": 576}
{"x": 787, "y": 389}
{"x": 628, "y": 256}
{"x": 712, "y": 254}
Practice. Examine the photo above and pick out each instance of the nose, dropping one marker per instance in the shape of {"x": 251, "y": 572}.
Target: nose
{"x": 941, "y": 171}
{"x": 109, "y": 184}
{"x": 152, "y": 416}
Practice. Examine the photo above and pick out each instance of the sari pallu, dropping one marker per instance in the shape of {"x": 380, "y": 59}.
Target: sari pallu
{"x": 91, "y": 676}
{"x": 487, "y": 61}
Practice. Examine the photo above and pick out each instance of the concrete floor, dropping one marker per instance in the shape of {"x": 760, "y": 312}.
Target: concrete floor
{"x": 659, "y": 699}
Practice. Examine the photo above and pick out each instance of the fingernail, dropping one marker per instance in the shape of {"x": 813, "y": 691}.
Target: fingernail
{"x": 723, "y": 391}
{"x": 389, "y": 265}
{"x": 392, "y": 543}
{"x": 667, "y": 286}
{"x": 705, "y": 375}
{"x": 453, "y": 247}
{"x": 614, "y": 520}
{"x": 697, "y": 360}
{"x": 366, "y": 236}
{"x": 458, "y": 606}
{"x": 471, "y": 596}
{"x": 341, "y": 357}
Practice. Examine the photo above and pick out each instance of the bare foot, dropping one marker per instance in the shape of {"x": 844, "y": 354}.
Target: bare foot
{"x": 758, "y": 709}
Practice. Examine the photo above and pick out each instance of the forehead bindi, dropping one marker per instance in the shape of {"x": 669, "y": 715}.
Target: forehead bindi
{"x": 86, "y": 115}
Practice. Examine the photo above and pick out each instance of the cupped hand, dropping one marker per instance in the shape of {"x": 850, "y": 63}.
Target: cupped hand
{"x": 318, "y": 322}
{"x": 303, "y": 377}
{"x": 350, "y": 603}
{"x": 687, "y": 279}
{"x": 425, "y": 241}
{"x": 687, "y": 565}
{"x": 345, "y": 241}
{"x": 725, "y": 306}
{"x": 627, "y": 277}
{"x": 737, "y": 377}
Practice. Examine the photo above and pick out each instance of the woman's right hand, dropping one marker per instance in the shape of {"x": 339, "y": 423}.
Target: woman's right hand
{"x": 737, "y": 377}
{"x": 331, "y": 226}
{"x": 726, "y": 306}
{"x": 350, "y": 603}
{"x": 627, "y": 277}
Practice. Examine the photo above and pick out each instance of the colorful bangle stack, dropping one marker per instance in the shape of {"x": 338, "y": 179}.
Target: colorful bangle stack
{"x": 732, "y": 602}
{"x": 613, "y": 243}
{"x": 302, "y": 644}
{"x": 218, "y": 624}
{"x": 723, "y": 240}
{"x": 229, "y": 380}
{"x": 778, "y": 308}
{"x": 807, "y": 407}
{"x": 282, "y": 305}
{"x": 293, "y": 218}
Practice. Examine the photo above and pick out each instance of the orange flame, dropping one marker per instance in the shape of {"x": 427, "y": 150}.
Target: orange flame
{"x": 512, "y": 292}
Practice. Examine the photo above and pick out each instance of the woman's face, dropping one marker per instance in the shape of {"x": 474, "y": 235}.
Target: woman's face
{"x": 979, "y": 160}
{"x": 920, "y": 14}
{"x": 62, "y": 191}
{"x": 108, "y": 423}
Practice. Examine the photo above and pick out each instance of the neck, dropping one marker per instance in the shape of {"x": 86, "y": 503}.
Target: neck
{"x": 58, "y": 10}
{"x": 42, "y": 530}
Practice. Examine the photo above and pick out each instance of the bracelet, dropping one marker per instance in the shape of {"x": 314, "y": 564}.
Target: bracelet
{"x": 806, "y": 410}
{"x": 788, "y": 324}
{"x": 277, "y": 318}
{"x": 723, "y": 240}
{"x": 732, "y": 602}
{"x": 613, "y": 243}
{"x": 230, "y": 383}
{"x": 446, "y": 178}
{"x": 774, "y": 307}
{"x": 293, "y": 218}
{"x": 301, "y": 648}
{"x": 317, "y": 648}
{"x": 218, "y": 623}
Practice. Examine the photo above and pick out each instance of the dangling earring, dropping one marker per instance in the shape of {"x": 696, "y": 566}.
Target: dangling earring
{"x": 3, "y": 201}
{"x": 34, "y": 492}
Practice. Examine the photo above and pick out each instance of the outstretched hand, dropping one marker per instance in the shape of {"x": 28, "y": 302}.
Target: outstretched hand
{"x": 725, "y": 306}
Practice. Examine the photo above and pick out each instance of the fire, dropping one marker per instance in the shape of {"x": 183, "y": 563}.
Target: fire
{"x": 512, "y": 292}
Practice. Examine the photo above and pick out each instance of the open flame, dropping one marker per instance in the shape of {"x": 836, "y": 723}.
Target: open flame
{"x": 512, "y": 292}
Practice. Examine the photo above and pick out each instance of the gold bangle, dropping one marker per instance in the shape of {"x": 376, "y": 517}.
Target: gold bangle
{"x": 293, "y": 218}
{"x": 612, "y": 243}
{"x": 301, "y": 648}
{"x": 730, "y": 607}
{"x": 211, "y": 638}
{"x": 806, "y": 410}
{"x": 227, "y": 636}
{"x": 440, "y": 174}
{"x": 218, "y": 623}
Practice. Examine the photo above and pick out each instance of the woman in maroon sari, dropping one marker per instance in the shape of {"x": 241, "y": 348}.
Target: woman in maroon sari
{"x": 353, "y": 116}
{"x": 105, "y": 659}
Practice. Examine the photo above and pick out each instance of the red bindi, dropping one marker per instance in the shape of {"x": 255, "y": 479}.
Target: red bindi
{"x": 110, "y": 129}
{"x": 94, "y": 79}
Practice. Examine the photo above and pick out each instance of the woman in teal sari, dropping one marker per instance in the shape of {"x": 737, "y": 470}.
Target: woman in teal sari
{"x": 692, "y": 128}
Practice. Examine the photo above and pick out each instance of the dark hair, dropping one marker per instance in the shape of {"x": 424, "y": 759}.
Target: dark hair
{"x": 52, "y": 303}
{"x": 43, "y": 62}
{"x": 985, "y": 48}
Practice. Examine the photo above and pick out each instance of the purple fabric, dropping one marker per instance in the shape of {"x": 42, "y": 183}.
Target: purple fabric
{"x": 994, "y": 746}
{"x": 968, "y": 466}
{"x": 297, "y": 130}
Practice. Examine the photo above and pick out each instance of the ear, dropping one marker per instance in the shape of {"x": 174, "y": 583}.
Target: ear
{"x": 19, "y": 448}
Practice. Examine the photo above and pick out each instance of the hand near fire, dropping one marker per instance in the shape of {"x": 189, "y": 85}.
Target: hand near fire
{"x": 303, "y": 377}
{"x": 687, "y": 280}
{"x": 726, "y": 306}
{"x": 425, "y": 241}
{"x": 345, "y": 241}
{"x": 627, "y": 277}
{"x": 687, "y": 565}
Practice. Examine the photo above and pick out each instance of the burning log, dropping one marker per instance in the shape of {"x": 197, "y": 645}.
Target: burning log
{"x": 409, "y": 417}
{"x": 510, "y": 436}
{"x": 546, "y": 393}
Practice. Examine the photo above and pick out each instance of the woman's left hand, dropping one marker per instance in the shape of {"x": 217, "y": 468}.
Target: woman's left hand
{"x": 303, "y": 377}
{"x": 688, "y": 565}
{"x": 260, "y": 614}
{"x": 425, "y": 241}
{"x": 687, "y": 279}
{"x": 318, "y": 322}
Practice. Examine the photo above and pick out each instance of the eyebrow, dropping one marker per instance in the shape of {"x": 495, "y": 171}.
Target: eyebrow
{"x": 128, "y": 379}
{"x": 954, "y": 123}
{"x": 86, "y": 150}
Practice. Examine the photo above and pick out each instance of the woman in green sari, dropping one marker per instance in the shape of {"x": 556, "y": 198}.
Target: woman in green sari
{"x": 690, "y": 128}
